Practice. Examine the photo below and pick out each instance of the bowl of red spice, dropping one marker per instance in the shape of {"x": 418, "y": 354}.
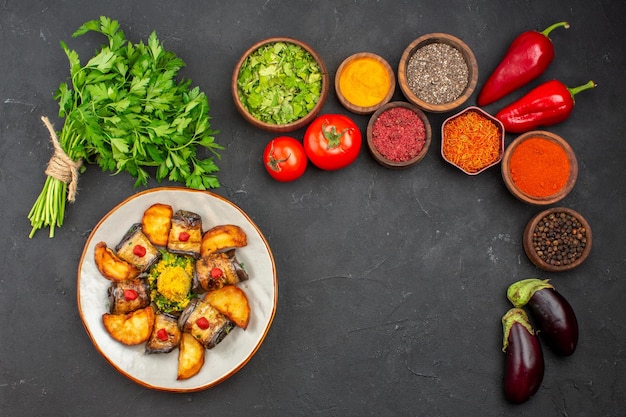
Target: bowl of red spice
{"x": 539, "y": 168}
{"x": 472, "y": 140}
{"x": 437, "y": 72}
{"x": 557, "y": 239}
{"x": 280, "y": 84}
{"x": 398, "y": 135}
{"x": 364, "y": 82}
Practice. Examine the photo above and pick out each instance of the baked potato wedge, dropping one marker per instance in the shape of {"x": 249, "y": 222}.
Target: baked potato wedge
{"x": 222, "y": 237}
{"x": 132, "y": 328}
{"x": 111, "y": 266}
{"x": 157, "y": 222}
{"x": 190, "y": 356}
{"x": 232, "y": 302}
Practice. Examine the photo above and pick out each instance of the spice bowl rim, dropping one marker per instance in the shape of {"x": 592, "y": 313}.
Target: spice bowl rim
{"x": 529, "y": 199}
{"x": 502, "y": 134}
{"x": 360, "y": 109}
{"x": 528, "y": 239}
{"x": 427, "y": 139}
{"x": 296, "y": 124}
{"x": 462, "y": 47}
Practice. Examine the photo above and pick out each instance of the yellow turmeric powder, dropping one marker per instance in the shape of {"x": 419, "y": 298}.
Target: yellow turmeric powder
{"x": 364, "y": 82}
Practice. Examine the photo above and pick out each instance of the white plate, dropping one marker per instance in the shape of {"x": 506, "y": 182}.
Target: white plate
{"x": 158, "y": 371}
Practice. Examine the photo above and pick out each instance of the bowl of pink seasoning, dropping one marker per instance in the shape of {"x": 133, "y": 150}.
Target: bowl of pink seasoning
{"x": 398, "y": 135}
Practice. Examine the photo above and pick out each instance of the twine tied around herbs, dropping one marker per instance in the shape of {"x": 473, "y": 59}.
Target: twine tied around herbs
{"x": 60, "y": 166}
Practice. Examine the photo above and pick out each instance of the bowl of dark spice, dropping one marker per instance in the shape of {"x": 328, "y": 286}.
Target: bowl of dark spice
{"x": 539, "y": 168}
{"x": 472, "y": 140}
{"x": 364, "y": 82}
{"x": 398, "y": 135}
{"x": 557, "y": 239}
{"x": 280, "y": 84}
{"x": 437, "y": 72}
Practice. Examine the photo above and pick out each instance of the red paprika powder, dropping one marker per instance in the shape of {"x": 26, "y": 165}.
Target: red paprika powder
{"x": 539, "y": 167}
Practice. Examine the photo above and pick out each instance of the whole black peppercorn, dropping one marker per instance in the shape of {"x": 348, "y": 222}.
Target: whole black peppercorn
{"x": 559, "y": 239}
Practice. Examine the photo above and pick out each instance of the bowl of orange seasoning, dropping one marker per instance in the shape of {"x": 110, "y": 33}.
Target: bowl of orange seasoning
{"x": 472, "y": 140}
{"x": 539, "y": 168}
{"x": 364, "y": 82}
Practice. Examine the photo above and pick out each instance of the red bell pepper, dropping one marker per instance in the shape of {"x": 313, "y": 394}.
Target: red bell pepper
{"x": 549, "y": 103}
{"x": 527, "y": 58}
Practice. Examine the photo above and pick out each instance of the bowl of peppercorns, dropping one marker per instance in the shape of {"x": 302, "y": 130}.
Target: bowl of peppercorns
{"x": 557, "y": 239}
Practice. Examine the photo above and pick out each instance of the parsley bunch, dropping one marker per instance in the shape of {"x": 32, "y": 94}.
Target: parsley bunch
{"x": 125, "y": 110}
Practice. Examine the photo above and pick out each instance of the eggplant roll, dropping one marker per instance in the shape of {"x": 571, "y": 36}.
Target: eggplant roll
{"x": 128, "y": 296}
{"x": 218, "y": 269}
{"x": 165, "y": 335}
{"x": 185, "y": 234}
{"x": 136, "y": 249}
{"x": 205, "y": 323}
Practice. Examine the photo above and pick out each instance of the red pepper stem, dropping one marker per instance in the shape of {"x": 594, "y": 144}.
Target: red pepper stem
{"x": 575, "y": 90}
{"x": 549, "y": 29}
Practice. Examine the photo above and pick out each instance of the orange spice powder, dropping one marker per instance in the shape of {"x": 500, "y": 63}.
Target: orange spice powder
{"x": 539, "y": 167}
{"x": 471, "y": 141}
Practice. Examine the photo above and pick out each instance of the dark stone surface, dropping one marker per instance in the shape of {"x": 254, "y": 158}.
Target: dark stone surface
{"x": 391, "y": 283}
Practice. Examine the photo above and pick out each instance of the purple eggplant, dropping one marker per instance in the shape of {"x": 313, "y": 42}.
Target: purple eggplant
{"x": 553, "y": 316}
{"x": 524, "y": 367}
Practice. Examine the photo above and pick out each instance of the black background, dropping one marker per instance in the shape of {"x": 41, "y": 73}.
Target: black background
{"x": 391, "y": 283}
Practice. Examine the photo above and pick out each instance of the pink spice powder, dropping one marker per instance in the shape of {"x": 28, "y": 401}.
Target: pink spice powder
{"x": 398, "y": 134}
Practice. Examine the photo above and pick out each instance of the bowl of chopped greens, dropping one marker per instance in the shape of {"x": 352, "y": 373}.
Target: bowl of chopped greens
{"x": 280, "y": 84}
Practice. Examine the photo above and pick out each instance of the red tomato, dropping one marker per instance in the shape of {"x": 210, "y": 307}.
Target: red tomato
{"x": 332, "y": 141}
{"x": 284, "y": 159}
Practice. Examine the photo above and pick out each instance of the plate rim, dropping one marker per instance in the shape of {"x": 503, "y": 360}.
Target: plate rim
{"x": 263, "y": 334}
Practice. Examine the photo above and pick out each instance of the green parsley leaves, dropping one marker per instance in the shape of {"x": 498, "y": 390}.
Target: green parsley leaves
{"x": 126, "y": 110}
{"x": 279, "y": 83}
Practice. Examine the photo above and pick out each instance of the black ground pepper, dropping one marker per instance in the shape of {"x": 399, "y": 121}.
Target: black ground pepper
{"x": 437, "y": 73}
{"x": 559, "y": 239}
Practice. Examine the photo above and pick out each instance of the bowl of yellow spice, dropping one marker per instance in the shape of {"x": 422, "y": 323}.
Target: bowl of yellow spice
{"x": 364, "y": 82}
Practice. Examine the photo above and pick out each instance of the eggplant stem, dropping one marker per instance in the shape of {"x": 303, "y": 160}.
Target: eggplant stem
{"x": 514, "y": 315}
{"x": 519, "y": 293}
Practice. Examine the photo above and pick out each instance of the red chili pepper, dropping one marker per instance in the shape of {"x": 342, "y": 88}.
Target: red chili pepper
{"x": 547, "y": 104}
{"x": 527, "y": 58}
{"x": 183, "y": 236}
{"x": 130, "y": 295}
{"x": 139, "y": 251}
{"x": 202, "y": 323}
{"x": 162, "y": 335}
